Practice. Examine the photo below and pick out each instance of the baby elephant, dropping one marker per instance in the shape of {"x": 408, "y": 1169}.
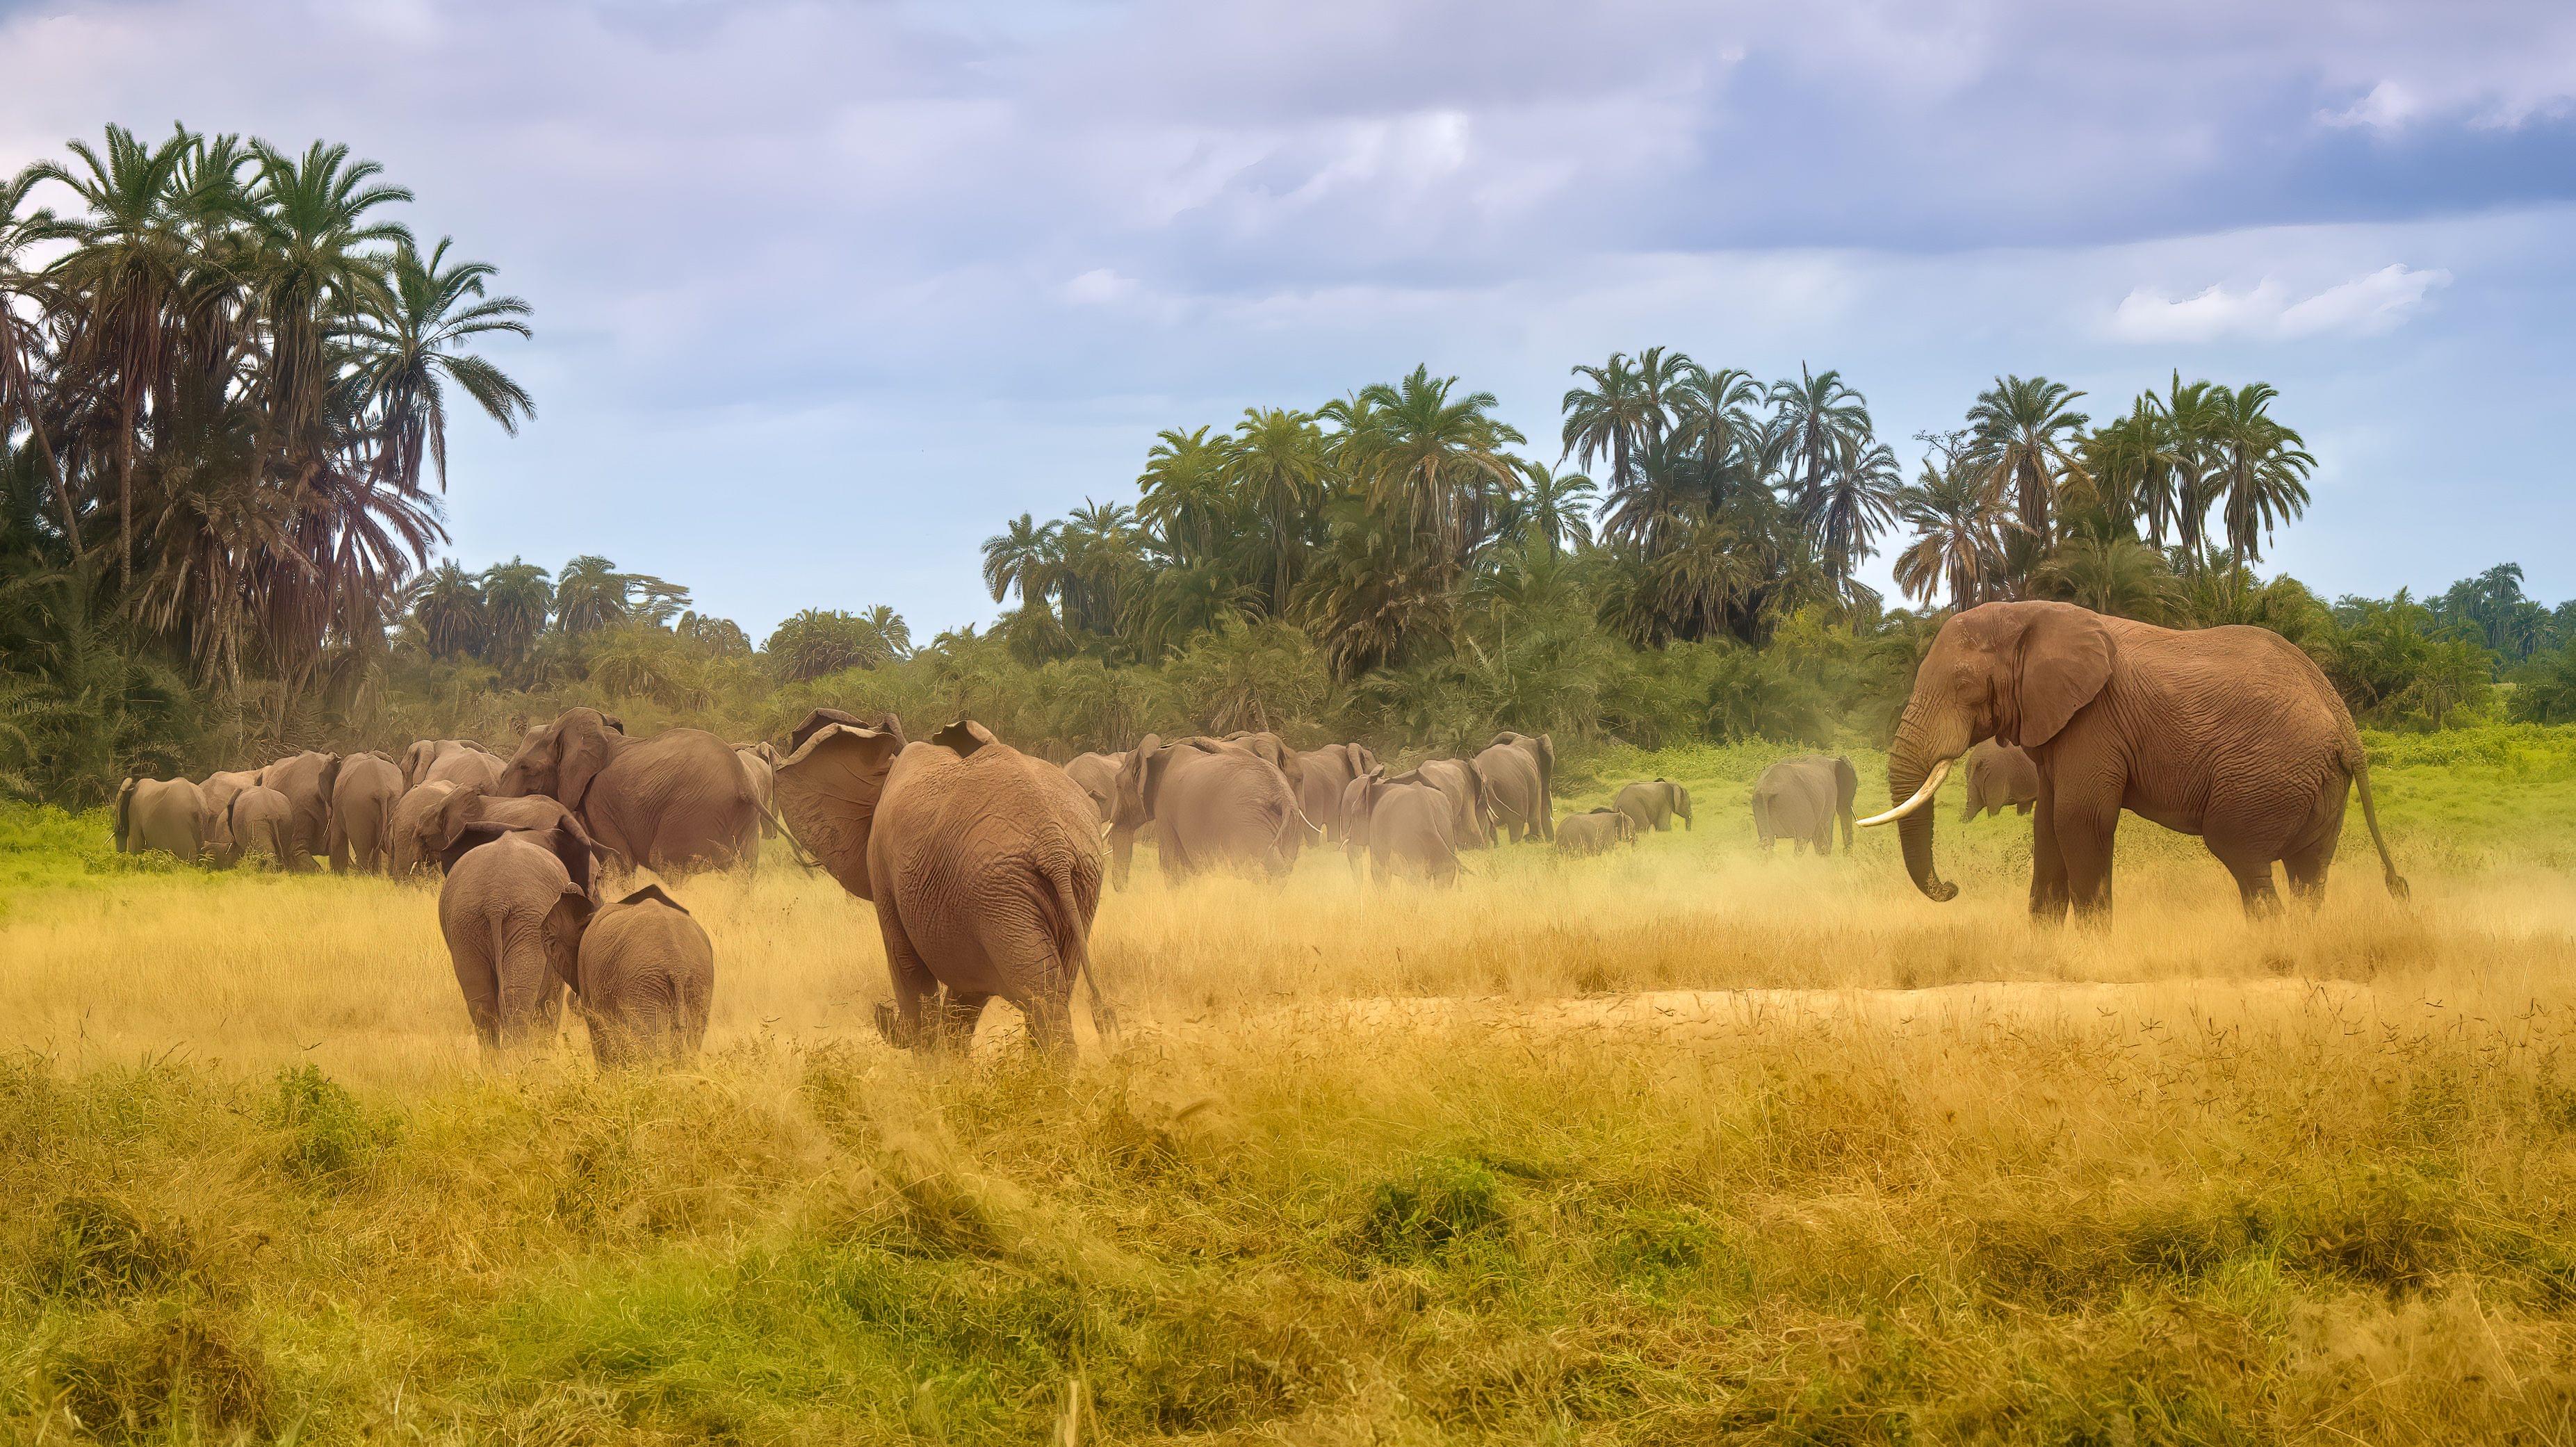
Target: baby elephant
{"x": 512, "y": 910}
{"x": 644, "y": 980}
{"x": 1597, "y": 832}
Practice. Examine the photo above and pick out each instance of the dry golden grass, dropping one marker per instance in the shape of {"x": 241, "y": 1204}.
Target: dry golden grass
{"x": 1680, "y": 1145}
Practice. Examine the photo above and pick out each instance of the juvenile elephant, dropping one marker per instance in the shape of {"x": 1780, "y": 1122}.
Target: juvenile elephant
{"x": 983, "y": 864}
{"x": 421, "y": 762}
{"x": 1327, "y": 776}
{"x": 1401, "y": 825}
{"x": 1656, "y": 803}
{"x": 1802, "y": 799}
{"x": 1471, "y": 818}
{"x": 1515, "y": 790}
{"x": 644, "y": 980}
{"x": 164, "y": 814}
{"x": 218, "y": 791}
{"x": 362, "y": 812}
{"x": 431, "y": 817}
{"x": 512, "y": 911}
{"x": 261, "y": 822}
{"x": 1540, "y": 750}
{"x": 675, "y": 801}
{"x": 1098, "y": 776}
{"x": 2230, "y": 733}
{"x": 306, "y": 779}
{"x": 757, "y": 762}
{"x": 2000, "y": 777}
{"x": 1595, "y": 832}
{"x": 1212, "y": 804}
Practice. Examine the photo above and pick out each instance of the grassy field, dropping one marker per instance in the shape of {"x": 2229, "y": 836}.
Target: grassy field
{"x": 1682, "y": 1145}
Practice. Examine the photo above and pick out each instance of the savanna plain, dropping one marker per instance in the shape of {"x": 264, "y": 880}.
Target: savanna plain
{"x": 1683, "y": 1144}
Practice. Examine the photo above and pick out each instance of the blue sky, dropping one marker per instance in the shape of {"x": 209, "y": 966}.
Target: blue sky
{"x": 825, "y": 291}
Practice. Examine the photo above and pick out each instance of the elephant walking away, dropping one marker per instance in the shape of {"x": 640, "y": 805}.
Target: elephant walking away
{"x": 461, "y": 761}
{"x": 644, "y": 981}
{"x": 1540, "y": 750}
{"x": 678, "y": 800}
{"x": 2000, "y": 777}
{"x": 1212, "y": 805}
{"x": 1515, "y": 791}
{"x": 512, "y": 909}
{"x": 983, "y": 864}
{"x": 262, "y": 823}
{"x": 1471, "y": 818}
{"x": 430, "y": 818}
{"x": 164, "y": 814}
{"x": 1801, "y": 800}
{"x": 1327, "y": 776}
{"x": 1401, "y": 826}
{"x": 218, "y": 790}
{"x": 307, "y": 780}
{"x": 1656, "y": 803}
{"x": 1097, "y": 774}
{"x": 362, "y": 813}
{"x": 1596, "y": 832}
{"x": 2230, "y": 733}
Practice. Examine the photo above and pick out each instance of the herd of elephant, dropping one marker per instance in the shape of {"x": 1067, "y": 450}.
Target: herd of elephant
{"x": 986, "y": 865}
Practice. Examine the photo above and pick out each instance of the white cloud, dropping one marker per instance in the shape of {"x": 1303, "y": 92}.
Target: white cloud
{"x": 1099, "y": 286}
{"x": 2367, "y": 305}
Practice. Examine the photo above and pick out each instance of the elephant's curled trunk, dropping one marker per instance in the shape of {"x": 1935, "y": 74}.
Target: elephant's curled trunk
{"x": 1909, "y": 767}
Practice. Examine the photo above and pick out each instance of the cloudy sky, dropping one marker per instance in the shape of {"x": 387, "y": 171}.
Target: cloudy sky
{"x": 824, "y": 291}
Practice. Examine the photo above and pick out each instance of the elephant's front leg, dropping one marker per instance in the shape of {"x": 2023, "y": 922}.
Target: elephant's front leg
{"x": 911, "y": 977}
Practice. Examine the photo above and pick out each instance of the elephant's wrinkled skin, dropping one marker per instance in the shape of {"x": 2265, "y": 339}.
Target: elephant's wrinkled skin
{"x": 262, "y": 823}
{"x": 1540, "y": 750}
{"x": 1212, "y": 805}
{"x": 1515, "y": 791}
{"x": 459, "y": 761}
{"x": 1402, "y": 826}
{"x": 676, "y": 801}
{"x": 1802, "y": 799}
{"x": 983, "y": 863}
{"x": 1471, "y": 819}
{"x": 1656, "y": 803}
{"x": 427, "y": 819}
{"x": 2229, "y": 733}
{"x": 512, "y": 910}
{"x": 758, "y": 761}
{"x": 2000, "y": 777}
{"x": 1327, "y": 775}
{"x": 164, "y": 814}
{"x": 306, "y": 779}
{"x": 1595, "y": 832}
{"x": 1097, "y": 774}
{"x": 362, "y": 813}
{"x": 644, "y": 981}
{"x": 218, "y": 790}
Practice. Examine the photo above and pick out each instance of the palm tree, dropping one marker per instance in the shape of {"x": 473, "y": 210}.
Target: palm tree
{"x": 2022, "y": 436}
{"x": 1713, "y": 415}
{"x": 890, "y": 629}
{"x": 1956, "y": 547}
{"x": 450, "y": 607}
{"x": 1016, "y": 558}
{"x": 1611, "y": 418}
{"x": 1663, "y": 381}
{"x": 1553, "y": 507}
{"x": 2262, "y": 469}
{"x": 2189, "y": 419}
{"x": 516, "y": 599}
{"x": 1277, "y": 466}
{"x": 1435, "y": 463}
{"x": 1847, "y": 510}
{"x": 1820, "y": 425}
{"x": 590, "y": 594}
{"x": 317, "y": 269}
{"x": 2117, "y": 575}
{"x": 1188, "y": 497}
{"x": 23, "y": 351}
{"x": 412, "y": 347}
{"x": 123, "y": 275}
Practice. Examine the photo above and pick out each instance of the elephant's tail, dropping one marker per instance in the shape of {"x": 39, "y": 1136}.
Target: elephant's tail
{"x": 2397, "y": 887}
{"x": 1073, "y": 945}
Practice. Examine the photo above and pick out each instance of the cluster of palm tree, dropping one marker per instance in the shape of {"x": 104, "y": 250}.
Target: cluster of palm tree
{"x": 226, "y": 374}
{"x": 2029, "y": 499}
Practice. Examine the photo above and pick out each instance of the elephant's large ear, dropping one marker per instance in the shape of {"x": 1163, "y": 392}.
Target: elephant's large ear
{"x": 565, "y": 924}
{"x": 330, "y": 774}
{"x": 414, "y": 759}
{"x": 466, "y": 841}
{"x": 652, "y": 894}
{"x": 581, "y": 751}
{"x": 964, "y": 737}
{"x": 1846, "y": 782}
{"x": 816, "y": 721}
{"x": 827, "y": 791}
{"x": 453, "y": 813}
{"x": 572, "y": 847}
{"x": 2065, "y": 662}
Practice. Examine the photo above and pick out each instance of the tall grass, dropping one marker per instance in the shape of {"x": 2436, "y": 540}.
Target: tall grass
{"x": 1679, "y": 1145}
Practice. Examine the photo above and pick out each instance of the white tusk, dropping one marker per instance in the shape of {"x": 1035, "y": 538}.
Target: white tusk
{"x": 1931, "y": 785}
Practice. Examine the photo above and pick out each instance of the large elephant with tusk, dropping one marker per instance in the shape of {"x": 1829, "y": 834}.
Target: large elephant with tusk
{"x": 2232, "y": 734}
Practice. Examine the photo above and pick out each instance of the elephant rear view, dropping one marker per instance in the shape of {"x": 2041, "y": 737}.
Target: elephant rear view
{"x": 1326, "y": 777}
{"x": 1404, "y": 826}
{"x": 1801, "y": 799}
{"x": 218, "y": 791}
{"x": 512, "y": 910}
{"x": 983, "y": 864}
{"x": 676, "y": 801}
{"x": 1540, "y": 750}
{"x": 1471, "y": 815}
{"x": 1212, "y": 805}
{"x": 644, "y": 980}
{"x": 161, "y": 814}
{"x": 262, "y": 823}
{"x": 362, "y": 812}
{"x": 307, "y": 781}
{"x": 1515, "y": 790}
